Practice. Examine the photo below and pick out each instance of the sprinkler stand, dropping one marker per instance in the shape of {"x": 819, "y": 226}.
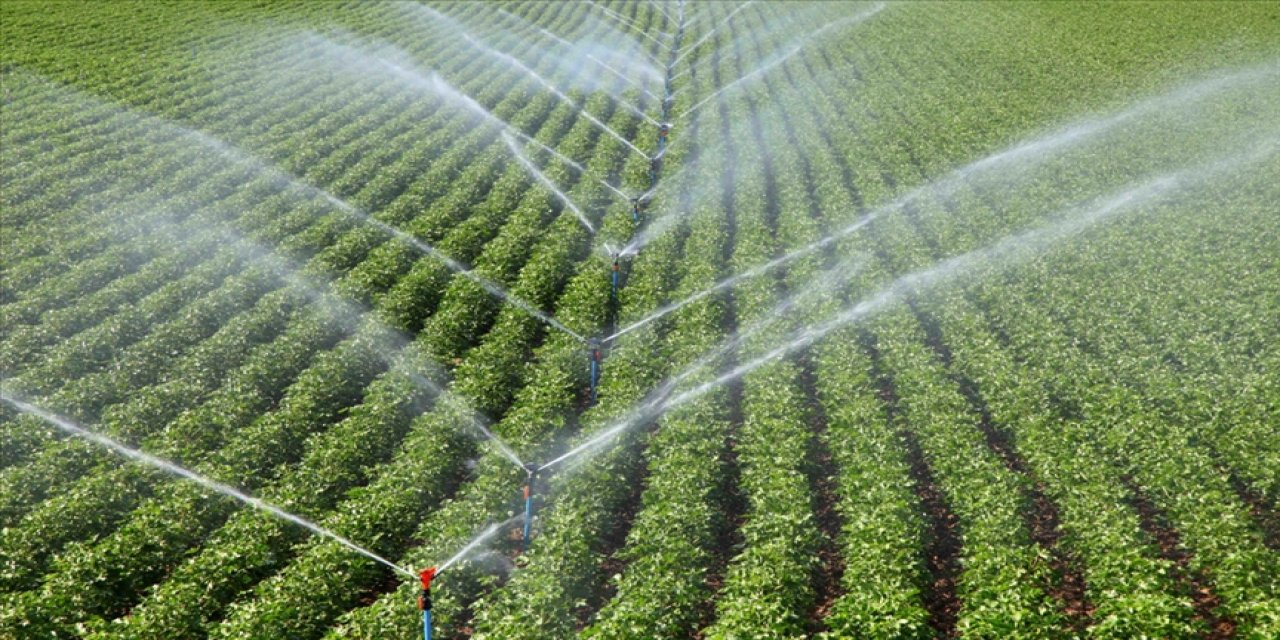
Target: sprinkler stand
{"x": 532, "y": 471}
{"x": 595, "y": 354}
{"x": 424, "y": 600}
{"x": 615, "y": 274}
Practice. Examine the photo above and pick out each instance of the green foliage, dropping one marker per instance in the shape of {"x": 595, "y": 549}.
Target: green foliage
{"x": 1090, "y": 428}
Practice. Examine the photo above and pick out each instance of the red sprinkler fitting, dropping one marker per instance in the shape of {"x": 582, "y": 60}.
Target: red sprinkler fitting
{"x": 424, "y": 600}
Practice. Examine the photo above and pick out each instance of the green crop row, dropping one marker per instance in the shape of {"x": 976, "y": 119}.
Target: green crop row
{"x": 446, "y": 325}
{"x": 417, "y": 298}
{"x": 388, "y": 508}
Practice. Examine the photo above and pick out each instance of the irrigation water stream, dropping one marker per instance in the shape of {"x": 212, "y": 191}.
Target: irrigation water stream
{"x": 169, "y": 467}
{"x": 546, "y": 182}
{"x": 1003, "y": 253}
{"x": 513, "y": 61}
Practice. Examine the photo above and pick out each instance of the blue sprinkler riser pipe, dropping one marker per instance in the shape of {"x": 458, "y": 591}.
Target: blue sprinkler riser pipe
{"x": 528, "y": 516}
{"x": 595, "y": 378}
{"x": 424, "y": 600}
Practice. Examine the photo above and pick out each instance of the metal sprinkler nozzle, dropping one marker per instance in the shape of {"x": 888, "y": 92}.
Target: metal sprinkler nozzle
{"x": 531, "y": 469}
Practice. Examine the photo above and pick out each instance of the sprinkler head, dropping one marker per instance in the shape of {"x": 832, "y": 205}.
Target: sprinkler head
{"x": 531, "y": 469}
{"x": 427, "y": 575}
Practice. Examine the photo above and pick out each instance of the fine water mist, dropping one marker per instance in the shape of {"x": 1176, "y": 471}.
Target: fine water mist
{"x": 475, "y": 542}
{"x": 710, "y": 32}
{"x": 1003, "y": 254}
{"x": 791, "y": 51}
{"x": 649, "y": 408}
{"x": 625, "y": 21}
{"x": 509, "y": 59}
{"x": 604, "y": 57}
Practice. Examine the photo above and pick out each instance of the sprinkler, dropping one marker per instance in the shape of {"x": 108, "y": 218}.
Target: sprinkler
{"x": 616, "y": 273}
{"x": 532, "y": 471}
{"x": 595, "y": 353}
{"x": 424, "y": 600}
{"x": 635, "y": 212}
{"x": 663, "y": 130}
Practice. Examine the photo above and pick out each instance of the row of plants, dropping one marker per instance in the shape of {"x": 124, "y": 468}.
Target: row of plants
{"x": 340, "y": 106}
{"x": 881, "y": 533}
{"x": 664, "y": 573}
{"x": 543, "y": 408}
{"x": 95, "y": 501}
{"x": 137, "y": 166}
{"x": 565, "y": 567}
{"x": 485, "y": 379}
{"x": 1162, "y": 457}
{"x": 771, "y": 585}
{"x": 389, "y": 508}
{"x": 179, "y": 288}
{"x": 481, "y": 266}
{"x": 1162, "y": 602}
{"x": 913, "y": 617}
{"x": 117, "y": 555}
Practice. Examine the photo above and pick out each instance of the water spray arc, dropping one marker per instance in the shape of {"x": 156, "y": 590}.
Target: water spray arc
{"x": 427, "y": 576}
{"x": 630, "y": 23}
{"x": 758, "y": 71}
{"x": 531, "y": 476}
{"x": 710, "y": 32}
{"x": 437, "y": 84}
{"x": 182, "y": 472}
{"x": 546, "y": 182}
{"x": 511, "y": 60}
{"x": 546, "y": 33}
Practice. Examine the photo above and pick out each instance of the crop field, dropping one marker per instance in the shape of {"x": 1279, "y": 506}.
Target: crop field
{"x": 646, "y": 319}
